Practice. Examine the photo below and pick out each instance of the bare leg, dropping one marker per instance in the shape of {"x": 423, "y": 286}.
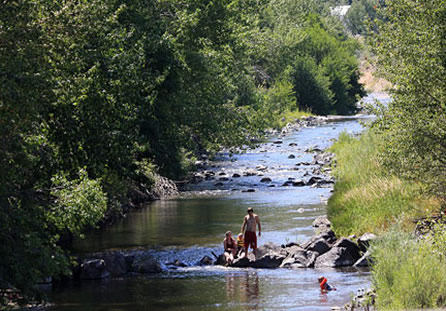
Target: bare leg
{"x": 246, "y": 252}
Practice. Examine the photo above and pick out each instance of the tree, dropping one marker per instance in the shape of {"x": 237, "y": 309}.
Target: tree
{"x": 410, "y": 48}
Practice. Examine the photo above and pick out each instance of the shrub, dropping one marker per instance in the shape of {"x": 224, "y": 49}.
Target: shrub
{"x": 408, "y": 273}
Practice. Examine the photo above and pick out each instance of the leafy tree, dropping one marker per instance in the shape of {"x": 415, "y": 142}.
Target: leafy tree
{"x": 410, "y": 49}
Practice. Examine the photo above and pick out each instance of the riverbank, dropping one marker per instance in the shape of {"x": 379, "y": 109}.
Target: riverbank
{"x": 408, "y": 271}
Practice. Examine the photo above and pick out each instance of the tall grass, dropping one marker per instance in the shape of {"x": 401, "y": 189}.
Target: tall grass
{"x": 366, "y": 197}
{"x": 408, "y": 273}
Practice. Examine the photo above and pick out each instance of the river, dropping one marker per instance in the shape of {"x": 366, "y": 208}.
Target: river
{"x": 193, "y": 225}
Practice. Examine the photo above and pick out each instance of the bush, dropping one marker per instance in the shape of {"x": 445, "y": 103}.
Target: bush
{"x": 408, "y": 273}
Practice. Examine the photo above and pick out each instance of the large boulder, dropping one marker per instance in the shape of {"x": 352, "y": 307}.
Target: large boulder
{"x": 116, "y": 264}
{"x": 244, "y": 262}
{"x": 269, "y": 261}
{"x": 92, "y": 269}
{"x": 146, "y": 264}
{"x": 319, "y": 246}
{"x": 343, "y": 253}
{"x": 364, "y": 241}
{"x": 270, "y": 249}
{"x": 326, "y": 234}
{"x": 299, "y": 258}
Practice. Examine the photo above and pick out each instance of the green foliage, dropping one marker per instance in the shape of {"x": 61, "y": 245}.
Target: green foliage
{"x": 410, "y": 50}
{"x": 361, "y": 13}
{"x": 99, "y": 96}
{"x": 408, "y": 273}
{"x": 78, "y": 203}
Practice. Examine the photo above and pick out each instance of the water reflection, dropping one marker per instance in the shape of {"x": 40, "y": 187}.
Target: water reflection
{"x": 243, "y": 288}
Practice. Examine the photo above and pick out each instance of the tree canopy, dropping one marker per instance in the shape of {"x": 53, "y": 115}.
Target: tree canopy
{"x": 99, "y": 95}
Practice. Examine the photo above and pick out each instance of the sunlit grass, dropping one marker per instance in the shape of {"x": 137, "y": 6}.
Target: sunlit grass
{"x": 408, "y": 273}
{"x": 367, "y": 198}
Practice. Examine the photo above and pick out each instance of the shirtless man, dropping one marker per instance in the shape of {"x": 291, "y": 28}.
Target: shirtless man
{"x": 249, "y": 222}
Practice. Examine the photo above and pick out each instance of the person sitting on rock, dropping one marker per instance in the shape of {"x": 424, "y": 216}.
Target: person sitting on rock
{"x": 240, "y": 244}
{"x": 230, "y": 247}
{"x": 325, "y": 287}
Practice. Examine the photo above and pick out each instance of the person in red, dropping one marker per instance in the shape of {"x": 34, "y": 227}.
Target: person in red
{"x": 250, "y": 222}
{"x": 325, "y": 287}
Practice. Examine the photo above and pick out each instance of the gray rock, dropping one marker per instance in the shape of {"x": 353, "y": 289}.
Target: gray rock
{"x": 291, "y": 156}
{"x": 314, "y": 180}
{"x": 146, "y": 264}
{"x": 235, "y": 175}
{"x": 270, "y": 248}
{"x": 243, "y": 262}
{"x": 319, "y": 246}
{"x": 116, "y": 264}
{"x": 343, "y": 253}
{"x": 206, "y": 261}
{"x": 336, "y": 257}
{"x": 322, "y": 221}
{"x": 265, "y": 179}
{"x": 250, "y": 173}
{"x": 364, "y": 241}
{"x": 249, "y": 190}
{"x": 269, "y": 261}
{"x": 221, "y": 260}
{"x": 177, "y": 263}
{"x": 93, "y": 269}
{"x": 223, "y": 179}
{"x": 298, "y": 183}
{"x": 351, "y": 247}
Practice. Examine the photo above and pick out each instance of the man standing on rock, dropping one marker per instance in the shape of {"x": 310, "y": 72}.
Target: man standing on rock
{"x": 249, "y": 223}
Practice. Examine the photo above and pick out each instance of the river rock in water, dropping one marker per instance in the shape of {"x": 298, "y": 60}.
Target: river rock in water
{"x": 93, "y": 269}
{"x": 146, "y": 264}
{"x": 116, "y": 264}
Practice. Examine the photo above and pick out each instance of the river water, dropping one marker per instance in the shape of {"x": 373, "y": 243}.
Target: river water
{"x": 193, "y": 225}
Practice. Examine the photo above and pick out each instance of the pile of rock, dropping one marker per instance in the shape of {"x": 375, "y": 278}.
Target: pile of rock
{"x": 114, "y": 264}
{"x": 322, "y": 250}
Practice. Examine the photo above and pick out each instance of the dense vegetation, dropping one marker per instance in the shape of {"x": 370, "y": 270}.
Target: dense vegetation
{"x": 99, "y": 96}
{"x": 395, "y": 173}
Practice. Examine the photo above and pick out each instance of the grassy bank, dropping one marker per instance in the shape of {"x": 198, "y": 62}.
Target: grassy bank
{"x": 408, "y": 273}
{"x": 366, "y": 197}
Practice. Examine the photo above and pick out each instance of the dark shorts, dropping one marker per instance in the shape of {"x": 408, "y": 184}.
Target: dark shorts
{"x": 250, "y": 239}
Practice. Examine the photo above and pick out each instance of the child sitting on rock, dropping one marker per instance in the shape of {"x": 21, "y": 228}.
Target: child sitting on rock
{"x": 325, "y": 287}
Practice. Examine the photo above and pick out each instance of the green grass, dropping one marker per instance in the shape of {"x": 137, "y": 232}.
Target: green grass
{"x": 408, "y": 273}
{"x": 366, "y": 197}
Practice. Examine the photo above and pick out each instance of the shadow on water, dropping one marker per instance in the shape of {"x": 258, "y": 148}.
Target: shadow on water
{"x": 191, "y": 226}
